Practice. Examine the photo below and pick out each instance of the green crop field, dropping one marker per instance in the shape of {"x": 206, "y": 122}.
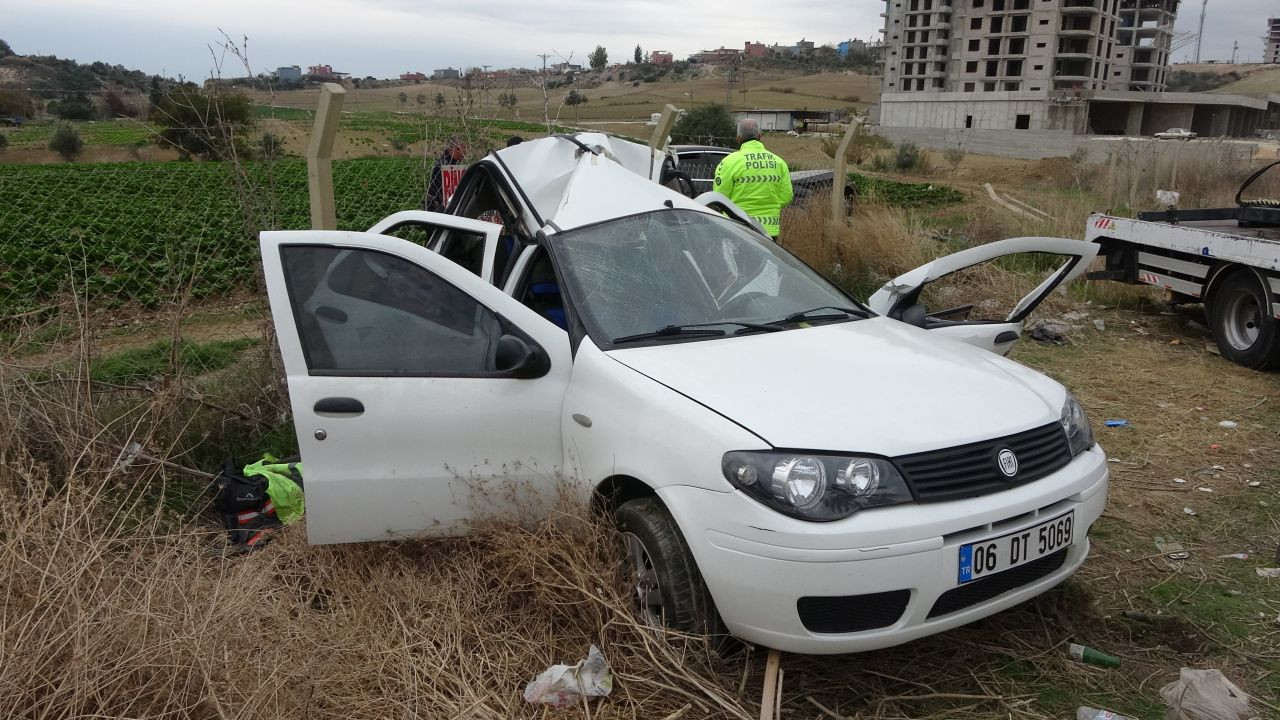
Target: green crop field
{"x": 101, "y": 132}
{"x": 137, "y": 231}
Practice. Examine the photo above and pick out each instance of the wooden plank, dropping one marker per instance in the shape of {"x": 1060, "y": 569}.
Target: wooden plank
{"x": 660, "y": 133}
{"x": 769, "y": 701}
{"x": 320, "y": 157}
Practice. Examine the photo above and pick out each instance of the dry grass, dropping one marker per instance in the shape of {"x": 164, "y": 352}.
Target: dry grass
{"x": 117, "y": 601}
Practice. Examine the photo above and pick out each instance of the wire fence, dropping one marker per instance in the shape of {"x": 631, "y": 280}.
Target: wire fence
{"x": 136, "y": 233}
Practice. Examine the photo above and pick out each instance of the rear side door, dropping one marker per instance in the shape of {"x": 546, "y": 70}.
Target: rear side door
{"x": 908, "y": 297}
{"x": 423, "y": 397}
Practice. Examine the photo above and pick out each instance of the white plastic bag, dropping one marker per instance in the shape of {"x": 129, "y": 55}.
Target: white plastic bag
{"x": 1088, "y": 713}
{"x": 564, "y": 686}
{"x": 1204, "y": 695}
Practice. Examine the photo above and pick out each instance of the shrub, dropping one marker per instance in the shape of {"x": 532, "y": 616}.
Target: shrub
{"x": 117, "y": 106}
{"x": 705, "y": 124}
{"x": 203, "y": 124}
{"x": 16, "y": 102}
{"x": 66, "y": 142}
{"x": 907, "y": 157}
{"x": 954, "y": 156}
{"x": 270, "y": 147}
{"x": 74, "y": 107}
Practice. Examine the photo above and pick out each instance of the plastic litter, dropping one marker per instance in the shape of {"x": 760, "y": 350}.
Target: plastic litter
{"x": 1189, "y": 511}
{"x": 1117, "y": 423}
{"x": 1100, "y": 325}
{"x": 1204, "y": 489}
{"x": 1255, "y": 483}
{"x": 1204, "y": 695}
{"x": 1234, "y": 556}
{"x": 1090, "y": 656}
{"x": 1273, "y": 573}
{"x": 564, "y": 686}
{"x": 1180, "y": 481}
{"x": 1088, "y": 713}
{"x": 1229, "y": 424}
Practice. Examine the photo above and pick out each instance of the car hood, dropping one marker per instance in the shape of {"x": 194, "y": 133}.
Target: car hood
{"x": 877, "y": 386}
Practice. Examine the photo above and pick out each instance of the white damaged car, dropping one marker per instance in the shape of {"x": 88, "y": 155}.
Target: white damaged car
{"x": 785, "y": 463}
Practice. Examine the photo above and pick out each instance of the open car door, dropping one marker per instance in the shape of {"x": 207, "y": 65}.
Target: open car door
{"x": 422, "y": 396}
{"x": 473, "y": 244}
{"x": 906, "y": 296}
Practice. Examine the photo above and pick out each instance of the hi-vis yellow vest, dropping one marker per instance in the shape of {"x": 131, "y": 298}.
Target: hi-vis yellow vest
{"x": 757, "y": 181}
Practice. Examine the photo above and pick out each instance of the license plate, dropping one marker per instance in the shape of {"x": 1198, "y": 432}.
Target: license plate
{"x": 986, "y": 558}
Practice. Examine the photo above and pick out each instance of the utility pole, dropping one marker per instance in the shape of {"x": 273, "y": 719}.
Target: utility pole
{"x": 1204, "y": 10}
{"x": 1235, "y": 48}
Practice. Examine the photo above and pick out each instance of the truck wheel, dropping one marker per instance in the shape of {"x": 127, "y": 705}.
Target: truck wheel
{"x": 661, "y": 573}
{"x": 1243, "y": 325}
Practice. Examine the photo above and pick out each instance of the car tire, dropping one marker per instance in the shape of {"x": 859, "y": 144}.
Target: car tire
{"x": 662, "y": 576}
{"x": 1240, "y": 316}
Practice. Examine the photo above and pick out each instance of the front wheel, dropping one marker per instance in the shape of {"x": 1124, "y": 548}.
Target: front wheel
{"x": 1244, "y": 326}
{"x": 661, "y": 573}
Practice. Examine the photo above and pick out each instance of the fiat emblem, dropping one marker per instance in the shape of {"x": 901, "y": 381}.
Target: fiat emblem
{"x": 1008, "y": 463}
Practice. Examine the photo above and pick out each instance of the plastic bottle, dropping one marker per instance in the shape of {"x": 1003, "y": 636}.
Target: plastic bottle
{"x": 1088, "y": 713}
{"x": 1088, "y": 655}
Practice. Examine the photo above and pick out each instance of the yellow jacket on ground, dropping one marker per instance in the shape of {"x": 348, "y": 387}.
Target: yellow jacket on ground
{"x": 757, "y": 181}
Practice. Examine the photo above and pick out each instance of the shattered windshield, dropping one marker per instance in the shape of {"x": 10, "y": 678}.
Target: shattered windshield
{"x": 671, "y": 270}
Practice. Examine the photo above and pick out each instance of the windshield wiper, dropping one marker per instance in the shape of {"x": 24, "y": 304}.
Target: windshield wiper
{"x": 803, "y": 315}
{"x": 695, "y": 330}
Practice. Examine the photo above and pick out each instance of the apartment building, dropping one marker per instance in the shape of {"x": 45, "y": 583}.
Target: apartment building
{"x": 1027, "y": 45}
{"x": 1272, "y": 39}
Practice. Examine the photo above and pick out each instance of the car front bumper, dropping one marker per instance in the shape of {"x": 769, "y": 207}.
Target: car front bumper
{"x": 758, "y": 564}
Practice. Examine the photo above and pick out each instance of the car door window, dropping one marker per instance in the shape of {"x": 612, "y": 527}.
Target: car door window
{"x": 365, "y": 312}
{"x": 487, "y": 200}
{"x": 987, "y": 292}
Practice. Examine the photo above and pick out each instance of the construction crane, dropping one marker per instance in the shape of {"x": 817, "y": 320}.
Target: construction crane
{"x": 1204, "y": 10}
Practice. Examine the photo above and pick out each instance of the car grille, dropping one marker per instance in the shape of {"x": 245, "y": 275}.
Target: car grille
{"x": 972, "y": 470}
{"x": 980, "y": 591}
{"x": 852, "y": 613}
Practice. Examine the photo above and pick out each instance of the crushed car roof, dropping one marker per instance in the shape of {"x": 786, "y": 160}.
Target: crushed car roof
{"x": 570, "y": 187}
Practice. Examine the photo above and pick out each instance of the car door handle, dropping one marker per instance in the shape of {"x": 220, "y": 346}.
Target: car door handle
{"x": 339, "y": 406}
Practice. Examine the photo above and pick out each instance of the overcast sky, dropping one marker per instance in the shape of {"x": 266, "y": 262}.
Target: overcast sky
{"x": 384, "y": 38}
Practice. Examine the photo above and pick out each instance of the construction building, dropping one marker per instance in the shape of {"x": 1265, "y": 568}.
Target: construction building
{"x": 1027, "y": 45}
{"x": 1272, "y": 54}
{"x": 970, "y": 71}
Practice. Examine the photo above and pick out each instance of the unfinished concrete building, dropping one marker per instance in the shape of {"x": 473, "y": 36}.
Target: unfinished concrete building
{"x": 1272, "y": 39}
{"x": 1027, "y": 45}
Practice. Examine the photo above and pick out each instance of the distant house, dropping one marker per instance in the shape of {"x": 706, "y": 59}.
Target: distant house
{"x": 719, "y": 56}
{"x": 851, "y": 47}
{"x": 755, "y": 50}
{"x": 289, "y": 74}
{"x": 413, "y": 77}
{"x": 324, "y": 72}
{"x": 446, "y": 74}
{"x": 564, "y": 67}
{"x": 784, "y": 120}
{"x": 660, "y": 57}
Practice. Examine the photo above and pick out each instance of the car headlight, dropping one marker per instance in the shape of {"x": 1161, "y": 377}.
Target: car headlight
{"x": 1076, "y": 424}
{"x": 816, "y": 487}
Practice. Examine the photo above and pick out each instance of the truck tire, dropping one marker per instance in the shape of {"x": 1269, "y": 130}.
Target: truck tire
{"x": 661, "y": 573}
{"x": 1243, "y": 325}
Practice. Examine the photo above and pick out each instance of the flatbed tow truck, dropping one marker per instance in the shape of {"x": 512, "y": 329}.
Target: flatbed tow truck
{"x": 1228, "y": 259}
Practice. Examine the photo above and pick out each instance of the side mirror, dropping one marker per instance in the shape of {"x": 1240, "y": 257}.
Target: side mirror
{"x": 520, "y": 359}
{"x": 914, "y": 315}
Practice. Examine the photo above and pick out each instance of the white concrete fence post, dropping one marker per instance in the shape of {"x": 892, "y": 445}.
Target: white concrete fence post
{"x": 320, "y": 157}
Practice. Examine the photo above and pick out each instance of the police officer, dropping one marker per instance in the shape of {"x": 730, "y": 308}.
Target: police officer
{"x": 755, "y": 179}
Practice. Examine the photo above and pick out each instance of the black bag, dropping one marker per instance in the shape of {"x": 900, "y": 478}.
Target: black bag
{"x": 234, "y": 493}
